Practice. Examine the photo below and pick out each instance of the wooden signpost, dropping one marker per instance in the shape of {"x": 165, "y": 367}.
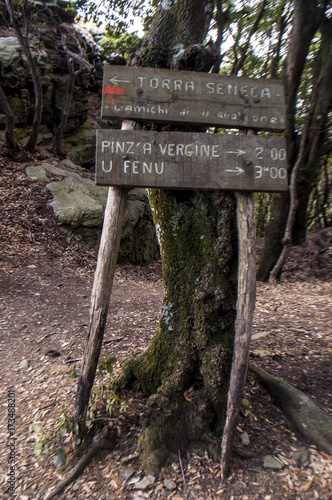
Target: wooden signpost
{"x": 163, "y": 95}
{"x": 176, "y": 160}
{"x": 180, "y": 160}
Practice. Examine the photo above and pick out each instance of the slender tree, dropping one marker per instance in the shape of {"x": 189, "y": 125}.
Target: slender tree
{"x": 72, "y": 57}
{"x": 24, "y": 42}
{"x": 310, "y": 19}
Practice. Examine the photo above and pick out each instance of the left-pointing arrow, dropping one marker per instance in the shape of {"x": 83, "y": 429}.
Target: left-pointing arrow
{"x": 115, "y": 80}
{"x": 237, "y": 171}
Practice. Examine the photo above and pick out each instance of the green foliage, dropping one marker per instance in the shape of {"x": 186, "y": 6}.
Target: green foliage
{"x": 66, "y": 425}
{"x": 122, "y": 43}
{"x": 43, "y": 441}
{"x": 115, "y": 12}
{"x": 103, "y": 400}
{"x": 108, "y": 363}
{"x": 255, "y": 42}
{"x": 60, "y": 457}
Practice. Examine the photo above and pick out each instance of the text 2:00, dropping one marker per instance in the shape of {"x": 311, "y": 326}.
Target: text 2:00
{"x": 275, "y": 154}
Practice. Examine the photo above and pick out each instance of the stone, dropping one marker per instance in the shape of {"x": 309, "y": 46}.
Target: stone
{"x": 302, "y": 458}
{"x": 13, "y": 74}
{"x": 52, "y": 65}
{"x": 60, "y": 8}
{"x": 270, "y": 462}
{"x": 126, "y": 472}
{"x": 79, "y": 208}
{"x": 145, "y": 483}
{"x": 58, "y": 170}
{"x": 78, "y": 202}
{"x": 70, "y": 164}
{"x": 37, "y": 173}
{"x": 24, "y": 364}
{"x": 261, "y": 353}
{"x": 82, "y": 140}
{"x": 169, "y": 484}
{"x": 245, "y": 438}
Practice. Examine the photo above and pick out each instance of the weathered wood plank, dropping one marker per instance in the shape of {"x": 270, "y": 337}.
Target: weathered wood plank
{"x": 101, "y": 292}
{"x": 180, "y": 160}
{"x": 245, "y": 307}
{"x": 165, "y": 95}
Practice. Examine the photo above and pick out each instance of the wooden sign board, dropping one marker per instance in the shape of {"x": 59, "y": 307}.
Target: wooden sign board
{"x": 164, "y": 95}
{"x": 180, "y": 160}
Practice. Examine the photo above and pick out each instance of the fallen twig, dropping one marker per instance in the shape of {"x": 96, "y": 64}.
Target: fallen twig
{"x": 180, "y": 462}
{"x": 100, "y": 442}
{"x": 268, "y": 426}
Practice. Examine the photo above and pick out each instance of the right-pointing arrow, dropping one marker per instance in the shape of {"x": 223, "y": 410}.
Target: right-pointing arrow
{"x": 238, "y": 152}
{"x": 236, "y": 171}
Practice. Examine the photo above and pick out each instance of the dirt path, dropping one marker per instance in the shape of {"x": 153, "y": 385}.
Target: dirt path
{"x": 45, "y": 291}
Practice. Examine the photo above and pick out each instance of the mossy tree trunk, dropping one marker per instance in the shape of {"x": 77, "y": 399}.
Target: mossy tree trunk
{"x": 185, "y": 371}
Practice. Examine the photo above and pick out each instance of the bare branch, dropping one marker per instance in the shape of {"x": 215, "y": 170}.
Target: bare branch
{"x": 77, "y": 57}
{"x": 244, "y": 50}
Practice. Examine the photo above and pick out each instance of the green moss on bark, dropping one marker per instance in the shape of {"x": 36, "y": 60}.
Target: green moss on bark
{"x": 185, "y": 371}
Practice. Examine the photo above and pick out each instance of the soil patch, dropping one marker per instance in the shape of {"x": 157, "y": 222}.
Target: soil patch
{"x": 45, "y": 288}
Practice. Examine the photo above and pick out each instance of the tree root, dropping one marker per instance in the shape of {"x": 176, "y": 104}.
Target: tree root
{"x": 303, "y": 411}
{"x": 102, "y": 441}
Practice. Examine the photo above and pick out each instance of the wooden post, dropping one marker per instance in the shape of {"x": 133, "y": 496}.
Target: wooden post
{"x": 245, "y": 310}
{"x": 102, "y": 289}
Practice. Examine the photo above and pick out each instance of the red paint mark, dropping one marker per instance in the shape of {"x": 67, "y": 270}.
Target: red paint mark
{"x": 113, "y": 90}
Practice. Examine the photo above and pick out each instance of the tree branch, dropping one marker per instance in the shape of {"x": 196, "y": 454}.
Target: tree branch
{"x": 287, "y": 240}
{"x": 100, "y": 442}
{"x": 77, "y": 57}
{"x": 244, "y": 50}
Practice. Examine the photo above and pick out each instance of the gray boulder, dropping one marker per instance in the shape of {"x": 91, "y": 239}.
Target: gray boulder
{"x": 79, "y": 208}
{"x": 47, "y": 51}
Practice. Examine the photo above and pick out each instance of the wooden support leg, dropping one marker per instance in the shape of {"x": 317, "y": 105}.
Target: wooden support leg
{"x": 245, "y": 310}
{"x": 102, "y": 289}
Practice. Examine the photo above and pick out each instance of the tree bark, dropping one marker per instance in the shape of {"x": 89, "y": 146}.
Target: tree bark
{"x": 185, "y": 371}
{"x": 24, "y": 42}
{"x": 309, "y": 419}
{"x": 9, "y": 132}
{"x": 318, "y": 133}
{"x": 101, "y": 292}
{"x": 245, "y": 307}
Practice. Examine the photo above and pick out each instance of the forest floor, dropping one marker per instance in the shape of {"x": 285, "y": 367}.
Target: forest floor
{"x": 45, "y": 286}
